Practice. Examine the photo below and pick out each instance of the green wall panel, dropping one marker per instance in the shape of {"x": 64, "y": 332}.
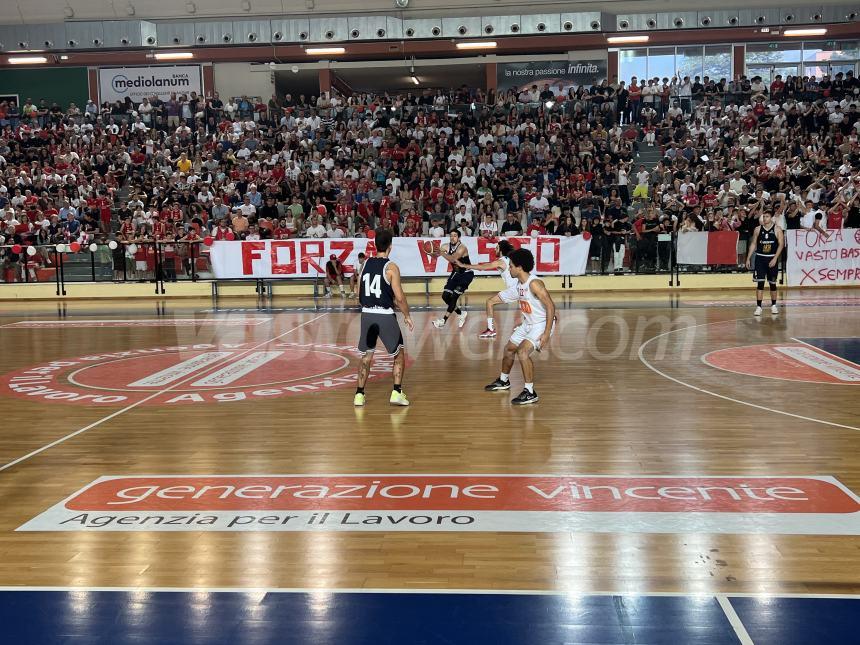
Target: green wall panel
{"x": 63, "y": 85}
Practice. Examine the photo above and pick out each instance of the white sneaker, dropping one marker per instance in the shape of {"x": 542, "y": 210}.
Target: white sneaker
{"x": 461, "y": 319}
{"x": 327, "y": 294}
{"x": 774, "y": 309}
{"x": 757, "y": 311}
{"x": 439, "y": 323}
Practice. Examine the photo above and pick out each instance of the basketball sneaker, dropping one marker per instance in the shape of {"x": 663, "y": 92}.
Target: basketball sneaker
{"x": 498, "y": 385}
{"x": 461, "y": 319}
{"x": 774, "y": 309}
{"x": 439, "y": 323}
{"x": 525, "y": 398}
{"x": 327, "y": 293}
{"x": 359, "y": 399}
{"x": 398, "y": 398}
{"x": 757, "y": 311}
{"x": 487, "y": 333}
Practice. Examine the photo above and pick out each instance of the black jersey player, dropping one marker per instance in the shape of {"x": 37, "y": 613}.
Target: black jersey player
{"x": 379, "y": 291}
{"x": 766, "y": 245}
{"x": 458, "y": 281}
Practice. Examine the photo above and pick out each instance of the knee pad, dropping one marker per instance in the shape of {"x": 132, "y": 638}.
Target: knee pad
{"x": 448, "y": 297}
{"x": 772, "y": 287}
{"x": 760, "y": 285}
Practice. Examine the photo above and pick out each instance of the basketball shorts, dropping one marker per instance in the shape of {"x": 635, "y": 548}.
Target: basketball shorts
{"x": 509, "y": 294}
{"x": 459, "y": 282}
{"x": 531, "y": 333}
{"x": 380, "y": 327}
{"x": 761, "y": 270}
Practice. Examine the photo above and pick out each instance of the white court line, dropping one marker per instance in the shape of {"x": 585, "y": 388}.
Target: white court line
{"x": 438, "y": 591}
{"x": 140, "y": 322}
{"x": 722, "y": 396}
{"x": 144, "y": 400}
{"x": 734, "y": 620}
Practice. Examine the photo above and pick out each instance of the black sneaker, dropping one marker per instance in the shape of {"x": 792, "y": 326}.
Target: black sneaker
{"x": 498, "y": 385}
{"x": 525, "y": 398}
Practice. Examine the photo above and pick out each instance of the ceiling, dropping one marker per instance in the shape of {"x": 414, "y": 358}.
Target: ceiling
{"x": 46, "y": 11}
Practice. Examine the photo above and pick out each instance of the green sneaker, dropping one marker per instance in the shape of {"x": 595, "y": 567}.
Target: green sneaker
{"x": 398, "y": 398}
{"x": 358, "y": 401}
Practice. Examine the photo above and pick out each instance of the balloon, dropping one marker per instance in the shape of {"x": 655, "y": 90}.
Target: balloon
{"x": 208, "y": 240}
{"x": 94, "y": 247}
{"x": 371, "y": 235}
{"x": 61, "y": 248}
{"x": 16, "y": 248}
{"x": 230, "y": 236}
{"x": 31, "y": 251}
{"x": 112, "y": 245}
{"x": 74, "y": 247}
{"x": 586, "y": 235}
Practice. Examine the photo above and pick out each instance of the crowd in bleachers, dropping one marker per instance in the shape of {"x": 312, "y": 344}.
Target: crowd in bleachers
{"x": 544, "y": 160}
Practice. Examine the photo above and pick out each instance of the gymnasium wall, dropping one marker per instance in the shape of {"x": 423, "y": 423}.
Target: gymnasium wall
{"x": 63, "y": 85}
{"x": 240, "y": 79}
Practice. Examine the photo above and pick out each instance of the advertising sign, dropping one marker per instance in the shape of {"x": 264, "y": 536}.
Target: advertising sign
{"x": 116, "y": 83}
{"x": 521, "y": 76}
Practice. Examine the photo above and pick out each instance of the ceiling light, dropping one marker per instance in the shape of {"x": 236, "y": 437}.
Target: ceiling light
{"x": 129, "y": 9}
{"x": 477, "y": 44}
{"x": 322, "y": 51}
{"x": 173, "y": 56}
{"x": 64, "y": 57}
{"x": 415, "y": 80}
{"x": 619, "y": 40}
{"x": 816, "y": 31}
{"x": 27, "y": 60}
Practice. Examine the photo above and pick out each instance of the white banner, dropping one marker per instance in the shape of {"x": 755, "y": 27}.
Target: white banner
{"x": 810, "y": 505}
{"x": 306, "y": 258}
{"x": 115, "y": 83}
{"x": 816, "y": 261}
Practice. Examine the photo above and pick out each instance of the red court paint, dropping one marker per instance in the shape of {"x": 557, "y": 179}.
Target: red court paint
{"x": 786, "y": 361}
{"x": 200, "y": 373}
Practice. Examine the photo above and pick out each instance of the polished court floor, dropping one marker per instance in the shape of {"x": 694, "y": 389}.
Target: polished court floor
{"x": 195, "y": 472}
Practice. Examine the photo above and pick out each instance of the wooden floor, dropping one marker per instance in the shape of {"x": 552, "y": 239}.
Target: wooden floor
{"x": 624, "y": 391}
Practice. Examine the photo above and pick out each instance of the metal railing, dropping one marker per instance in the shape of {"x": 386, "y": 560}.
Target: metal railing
{"x": 140, "y": 261}
{"x": 165, "y": 262}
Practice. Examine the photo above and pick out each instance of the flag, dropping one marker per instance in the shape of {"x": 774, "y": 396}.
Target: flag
{"x": 719, "y": 247}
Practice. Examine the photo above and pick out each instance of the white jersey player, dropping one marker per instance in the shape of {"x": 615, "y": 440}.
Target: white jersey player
{"x": 533, "y": 333}
{"x": 508, "y": 294}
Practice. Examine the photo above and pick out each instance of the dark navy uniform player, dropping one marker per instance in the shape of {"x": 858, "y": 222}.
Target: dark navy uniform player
{"x": 766, "y": 245}
{"x": 458, "y": 281}
{"x": 379, "y": 292}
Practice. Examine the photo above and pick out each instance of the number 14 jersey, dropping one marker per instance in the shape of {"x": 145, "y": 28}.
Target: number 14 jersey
{"x": 375, "y": 292}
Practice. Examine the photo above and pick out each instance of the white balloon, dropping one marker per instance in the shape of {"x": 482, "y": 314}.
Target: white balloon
{"x": 61, "y": 248}
{"x": 31, "y": 250}
{"x": 132, "y": 248}
{"x": 295, "y": 69}
{"x": 94, "y": 247}
{"x": 112, "y": 245}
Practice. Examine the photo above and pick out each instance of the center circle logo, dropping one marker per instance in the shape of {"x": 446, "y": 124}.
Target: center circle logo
{"x": 187, "y": 374}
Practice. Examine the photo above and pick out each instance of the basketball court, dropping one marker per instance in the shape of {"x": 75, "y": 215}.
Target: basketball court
{"x": 194, "y": 471}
